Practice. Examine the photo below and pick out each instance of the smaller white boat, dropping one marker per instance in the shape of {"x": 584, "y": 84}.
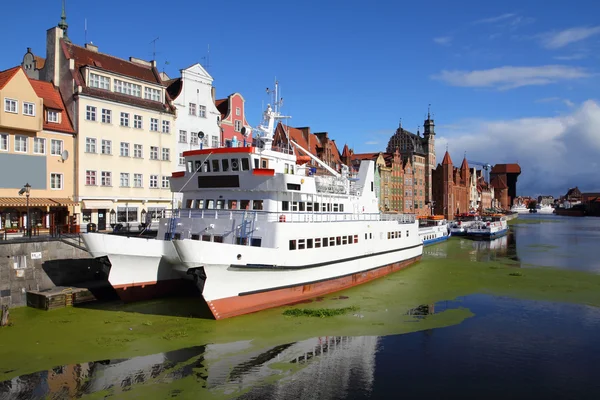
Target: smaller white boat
{"x": 520, "y": 208}
{"x": 545, "y": 209}
{"x": 433, "y": 229}
{"x": 490, "y": 226}
{"x": 459, "y": 226}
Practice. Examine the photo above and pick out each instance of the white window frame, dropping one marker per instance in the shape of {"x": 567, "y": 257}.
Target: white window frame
{"x": 238, "y": 111}
{"x": 91, "y": 177}
{"x": 60, "y": 177}
{"x": 99, "y": 81}
{"x": 138, "y": 122}
{"x": 124, "y": 152}
{"x": 237, "y": 125}
{"x": 52, "y": 116}
{"x": 192, "y": 109}
{"x": 17, "y": 141}
{"x": 124, "y": 181}
{"x": 182, "y": 136}
{"x": 215, "y": 141}
{"x": 106, "y": 178}
{"x": 106, "y": 116}
{"x": 52, "y": 146}
{"x": 90, "y": 145}
{"x": 8, "y": 102}
{"x": 124, "y": 121}
{"x": 152, "y": 94}
{"x": 165, "y": 183}
{"x": 202, "y": 111}
{"x": 4, "y": 141}
{"x": 154, "y": 124}
{"x": 90, "y": 113}
{"x": 136, "y": 148}
{"x": 166, "y": 154}
{"x": 28, "y": 109}
{"x": 166, "y": 127}
{"x": 138, "y": 180}
{"x": 154, "y": 152}
{"x": 106, "y": 147}
{"x": 39, "y": 140}
{"x": 153, "y": 181}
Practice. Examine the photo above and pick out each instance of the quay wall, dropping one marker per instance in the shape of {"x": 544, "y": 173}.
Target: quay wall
{"x": 41, "y": 265}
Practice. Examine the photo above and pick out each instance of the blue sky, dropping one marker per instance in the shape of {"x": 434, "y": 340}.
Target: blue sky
{"x": 508, "y": 82}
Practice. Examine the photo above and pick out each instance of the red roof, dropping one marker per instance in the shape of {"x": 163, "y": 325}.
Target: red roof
{"x": 506, "y": 169}
{"x": 7, "y": 75}
{"x": 498, "y": 183}
{"x": 39, "y": 62}
{"x": 52, "y": 100}
{"x": 84, "y": 57}
{"x": 465, "y": 164}
{"x": 223, "y": 107}
{"x": 447, "y": 160}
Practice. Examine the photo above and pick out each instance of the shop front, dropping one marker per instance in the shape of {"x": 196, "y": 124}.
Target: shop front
{"x": 46, "y": 215}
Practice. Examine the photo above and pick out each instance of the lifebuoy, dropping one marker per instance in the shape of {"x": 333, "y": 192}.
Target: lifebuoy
{"x": 282, "y": 218}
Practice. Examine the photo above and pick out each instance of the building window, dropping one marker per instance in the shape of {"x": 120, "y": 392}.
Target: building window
{"x": 181, "y": 159}
{"x": 127, "y": 214}
{"x": 124, "y": 149}
{"x": 182, "y": 137}
{"x": 20, "y": 144}
{"x": 166, "y": 125}
{"x": 154, "y": 124}
{"x": 124, "y": 179}
{"x": 90, "y": 113}
{"x": 53, "y": 116}
{"x": 106, "y": 116}
{"x": 138, "y": 180}
{"x": 166, "y": 154}
{"x": 202, "y": 111}
{"x": 124, "y": 119}
{"x": 127, "y": 88}
{"x": 154, "y": 181}
{"x": 3, "y": 141}
{"x": 39, "y": 145}
{"x": 152, "y": 94}
{"x": 106, "y": 178}
{"x": 194, "y": 140}
{"x": 192, "y": 109}
{"x": 90, "y": 178}
{"x": 11, "y": 106}
{"x": 56, "y": 181}
{"x": 137, "y": 151}
{"x": 215, "y": 141}
{"x": 90, "y": 145}
{"x": 153, "y": 153}
{"x": 29, "y": 109}
{"x": 238, "y": 111}
{"x": 56, "y": 147}
{"x": 137, "y": 121}
{"x": 106, "y": 147}
{"x": 238, "y": 125}
{"x": 99, "y": 81}
{"x": 165, "y": 182}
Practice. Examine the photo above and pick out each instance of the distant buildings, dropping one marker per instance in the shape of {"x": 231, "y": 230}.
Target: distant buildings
{"x": 503, "y": 178}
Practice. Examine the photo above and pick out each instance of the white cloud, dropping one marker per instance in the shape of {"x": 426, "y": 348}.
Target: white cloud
{"x": 577, "y": 56}
{"x": 443, "y": 40}
{"x": 566, "y": 102}
{"x": 556, "y": 40}
{"x": 554, "y": 153}
{"x": 495, "y": 19}
{"x": 372, "y": 143}
{"x": 510, "y": 77}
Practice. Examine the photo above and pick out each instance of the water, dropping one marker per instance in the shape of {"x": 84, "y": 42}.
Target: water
{"x": 511, "y": 348}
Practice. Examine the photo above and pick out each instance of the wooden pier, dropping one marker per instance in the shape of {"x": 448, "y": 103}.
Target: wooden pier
{"x": 66, "y": 296}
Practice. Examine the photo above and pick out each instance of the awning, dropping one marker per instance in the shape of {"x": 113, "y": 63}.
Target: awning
{"x": 97, "y": 204}
{"x": 35, "y": 202}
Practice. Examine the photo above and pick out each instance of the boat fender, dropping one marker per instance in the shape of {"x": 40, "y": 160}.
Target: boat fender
{"x": 282, "y": 218}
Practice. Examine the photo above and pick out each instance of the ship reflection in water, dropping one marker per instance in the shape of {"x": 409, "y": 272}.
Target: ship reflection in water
{"x": 335, "y": 366}
{"x": 478, "y": 250}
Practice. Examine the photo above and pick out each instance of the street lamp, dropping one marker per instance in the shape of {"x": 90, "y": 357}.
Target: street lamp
{"x": 113, "y": 218}
{"x": 26, "y": 191}
{"x": 143, "y": 216}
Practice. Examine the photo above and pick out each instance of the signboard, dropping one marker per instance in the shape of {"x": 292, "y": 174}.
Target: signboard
{"x": 36, "y": 255}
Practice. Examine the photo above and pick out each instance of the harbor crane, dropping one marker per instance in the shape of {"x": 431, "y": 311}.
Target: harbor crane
{"x": 486, "y": 169}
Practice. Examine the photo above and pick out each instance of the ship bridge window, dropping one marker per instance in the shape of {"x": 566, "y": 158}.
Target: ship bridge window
{"x": 225, "y": 163}
{"x": 264, "y": 163}
{"x": 285, "y": 206}
{"x": 293, "y": 186}
{"x": 255, "y": 163}
{"x": 198, "y": 164}
{"x": 232, "y": 204}
{"x": 309, "y": 243}
{"x": 206, "y": 238}
{"x": 317, "y": 243}
{"x": 325, "y": 242}
{"x": 309, "y": 206}
{"x": 189, "y": 203}
{"x": 335, "y": 208}
{"x": 257, "y": 205}
{"x": 294, "y": 206}
{"x": 245, "y": 164}
{"x": 316, "y": 207}
{"x": 292, "y": 245}
{"x": 301, "y": 244}
{"x": 235, "y": 164}
{"x": 190, "y": 166}
{"x": 256, "y": 242}
{"x": 206, "y": 167}
{"x": 341, "y": 208}
{"x": 220, "y": 204}
{"x": 210, "y": 204}
{"x": 200, "y": 203}
{"x": 245, "y": 204}
{"x": 215, "y": 165}
{"x": 301, "y": 206}
{"x": 218, "y": 239}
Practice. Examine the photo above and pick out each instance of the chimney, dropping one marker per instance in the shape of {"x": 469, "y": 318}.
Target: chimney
{"x": 213, "y": 93}
{"x": 52, "y": 67}
{"x": 91, "y": 47}
{"x": 141, "y": 62}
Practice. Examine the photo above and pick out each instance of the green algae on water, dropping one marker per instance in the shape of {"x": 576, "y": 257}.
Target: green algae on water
{"x": 318, "y": 312}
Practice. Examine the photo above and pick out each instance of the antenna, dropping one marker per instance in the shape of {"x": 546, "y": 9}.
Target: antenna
{"x": 153, "y": 43}
{"x": 207, "y": 58}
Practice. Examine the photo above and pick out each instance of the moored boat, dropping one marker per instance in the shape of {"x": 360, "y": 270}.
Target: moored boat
{"x": 462, "y": 222}
{"x": 544, "y": 209}
{"x": 519, "y": 208}
{"x": 261, "y": 229}
{"x": 489, "y": 227}
{"x": 433, "y": 229}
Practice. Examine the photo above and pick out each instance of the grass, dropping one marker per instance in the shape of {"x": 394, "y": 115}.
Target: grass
{"x": 318, "y": 312}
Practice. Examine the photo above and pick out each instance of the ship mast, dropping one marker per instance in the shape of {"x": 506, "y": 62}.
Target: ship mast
{"x": 266, "y": 130}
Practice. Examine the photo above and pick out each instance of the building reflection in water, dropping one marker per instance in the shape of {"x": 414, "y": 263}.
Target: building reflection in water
{"x": 326, "y": 367}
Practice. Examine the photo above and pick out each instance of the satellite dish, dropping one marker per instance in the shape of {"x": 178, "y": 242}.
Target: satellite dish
{"x": 64, "y": 155}
{"x": 200, "y": 135}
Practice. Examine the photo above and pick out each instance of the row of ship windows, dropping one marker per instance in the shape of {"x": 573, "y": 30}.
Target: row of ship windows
{"x": 223, "y": 204}
{"x": 124, "y": 120}
{"x": 301, "y": 244}
{"x": 309, "y": 206}
{"x": 224, "y": 165}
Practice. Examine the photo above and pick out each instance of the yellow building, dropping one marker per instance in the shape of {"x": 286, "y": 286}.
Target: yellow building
{"x": 36, "y": 143}
{"x": 126, "y": 146}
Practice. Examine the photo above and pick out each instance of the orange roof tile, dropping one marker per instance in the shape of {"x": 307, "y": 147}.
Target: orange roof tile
{"x": 7, "y": 75}
{"x": 39, "y": 62}
{"x": 52, "y": 100}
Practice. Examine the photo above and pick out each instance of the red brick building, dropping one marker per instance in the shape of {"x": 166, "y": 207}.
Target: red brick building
{"x": 504, "y": 177}
{"x": 451, "y": 188}
{"x": 233, "y": 119}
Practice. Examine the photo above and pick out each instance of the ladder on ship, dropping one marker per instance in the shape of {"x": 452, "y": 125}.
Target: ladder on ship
{"x": 172, "y": 224}
{"x": 246, "y": 228}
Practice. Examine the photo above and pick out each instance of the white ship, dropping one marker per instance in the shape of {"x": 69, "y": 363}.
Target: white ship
{"x": 544, "y": 209}
{"x": 433, "y": 229}
{"x": 490, "y": 226}
{"x": 459, "y": 226}
{"x": 519, "y": 208}
{"x": 260, "y": 229}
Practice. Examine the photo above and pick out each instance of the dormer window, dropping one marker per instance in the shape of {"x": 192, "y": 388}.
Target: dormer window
{"x": 53, "y": 116}
{"x": 99, "y": 81}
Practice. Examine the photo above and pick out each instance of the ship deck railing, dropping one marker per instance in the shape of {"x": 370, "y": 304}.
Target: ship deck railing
{"x": 291, "y": 216}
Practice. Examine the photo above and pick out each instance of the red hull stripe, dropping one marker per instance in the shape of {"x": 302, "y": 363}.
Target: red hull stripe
{"x": 238, "y": 305}
{"x": 219, "y": 150}
{"x": 263, "y": 171}
{"x": 178, "y": 174}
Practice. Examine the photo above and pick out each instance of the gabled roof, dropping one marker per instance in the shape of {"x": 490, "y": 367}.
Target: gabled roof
{"x": 52, "y": 100}
{"x": 7, "y": 75}
{"x": 174, "y": 87}
{"x": 223, "y": 107}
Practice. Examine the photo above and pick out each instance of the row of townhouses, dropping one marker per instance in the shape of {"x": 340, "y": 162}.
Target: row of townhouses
{"x": 92, "y": 138}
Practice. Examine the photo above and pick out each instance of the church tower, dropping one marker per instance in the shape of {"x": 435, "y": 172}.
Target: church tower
{"x": 430, "y": 164}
